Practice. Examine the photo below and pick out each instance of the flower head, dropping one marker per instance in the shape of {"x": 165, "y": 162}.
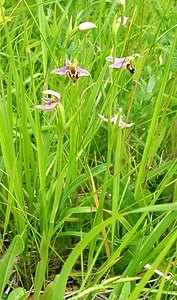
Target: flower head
{"x": 49, "y": 103}
{"x": 124, "y": 21}
{"x": 122, "y": 124}
{"x": 73, "y": 71}
{"x": 124, "y": 62}
{"x": 86, "y": 25}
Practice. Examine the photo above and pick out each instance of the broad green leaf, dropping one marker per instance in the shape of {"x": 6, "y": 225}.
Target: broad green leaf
{"x": 18, "y": 294}
{"x": 7, "y": 262}
{"x": 151, "y": 84}
{"x": 49, "y": 290}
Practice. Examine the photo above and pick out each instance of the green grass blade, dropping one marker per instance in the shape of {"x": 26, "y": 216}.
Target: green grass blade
{"x": 148, "y": 150}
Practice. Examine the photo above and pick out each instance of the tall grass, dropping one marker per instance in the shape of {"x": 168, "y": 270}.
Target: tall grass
{"x": 90, "y": 203}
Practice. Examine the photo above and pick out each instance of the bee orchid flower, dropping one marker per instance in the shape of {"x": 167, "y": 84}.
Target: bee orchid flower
{"x": 73, "y": 71}
{"x": 122, "y": 124}
{"x": 124, "y": 62}
{"x": 49, "y": 103}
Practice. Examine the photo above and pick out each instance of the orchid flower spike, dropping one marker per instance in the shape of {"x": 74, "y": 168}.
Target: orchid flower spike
{"x": 124, "y": 62}
{"x": 86, "y": 25}
{"x": 73, "y": 71}
{"x": 122, "y": 124}
{"x": 49, "y": 103}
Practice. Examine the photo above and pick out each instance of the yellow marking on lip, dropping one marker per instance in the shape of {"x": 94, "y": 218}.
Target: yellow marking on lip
{"x": 72, "y": 67}
{"x": 130, "y": 58}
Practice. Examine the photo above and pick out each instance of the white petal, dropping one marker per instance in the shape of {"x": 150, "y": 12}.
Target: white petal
{"x": 125, "y": 19}
{"x": 103, "y": 118}
{"x": 110, "y": 58}
{"x": 122, "y": 2}
{"x": 114, "y": 119}
{"x": 51, "y": 92}
{"x": 122, "y": 124}
{"x": 86, "y": 26}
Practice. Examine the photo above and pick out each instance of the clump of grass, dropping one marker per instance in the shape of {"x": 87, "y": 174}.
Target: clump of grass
{"x": 88, "y": 200}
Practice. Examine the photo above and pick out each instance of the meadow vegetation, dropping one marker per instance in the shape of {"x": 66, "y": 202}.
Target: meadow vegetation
{"x": 87, "y": 207}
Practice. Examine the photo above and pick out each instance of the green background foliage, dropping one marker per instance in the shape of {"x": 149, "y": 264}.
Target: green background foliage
{"x": 92, "y": 203}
